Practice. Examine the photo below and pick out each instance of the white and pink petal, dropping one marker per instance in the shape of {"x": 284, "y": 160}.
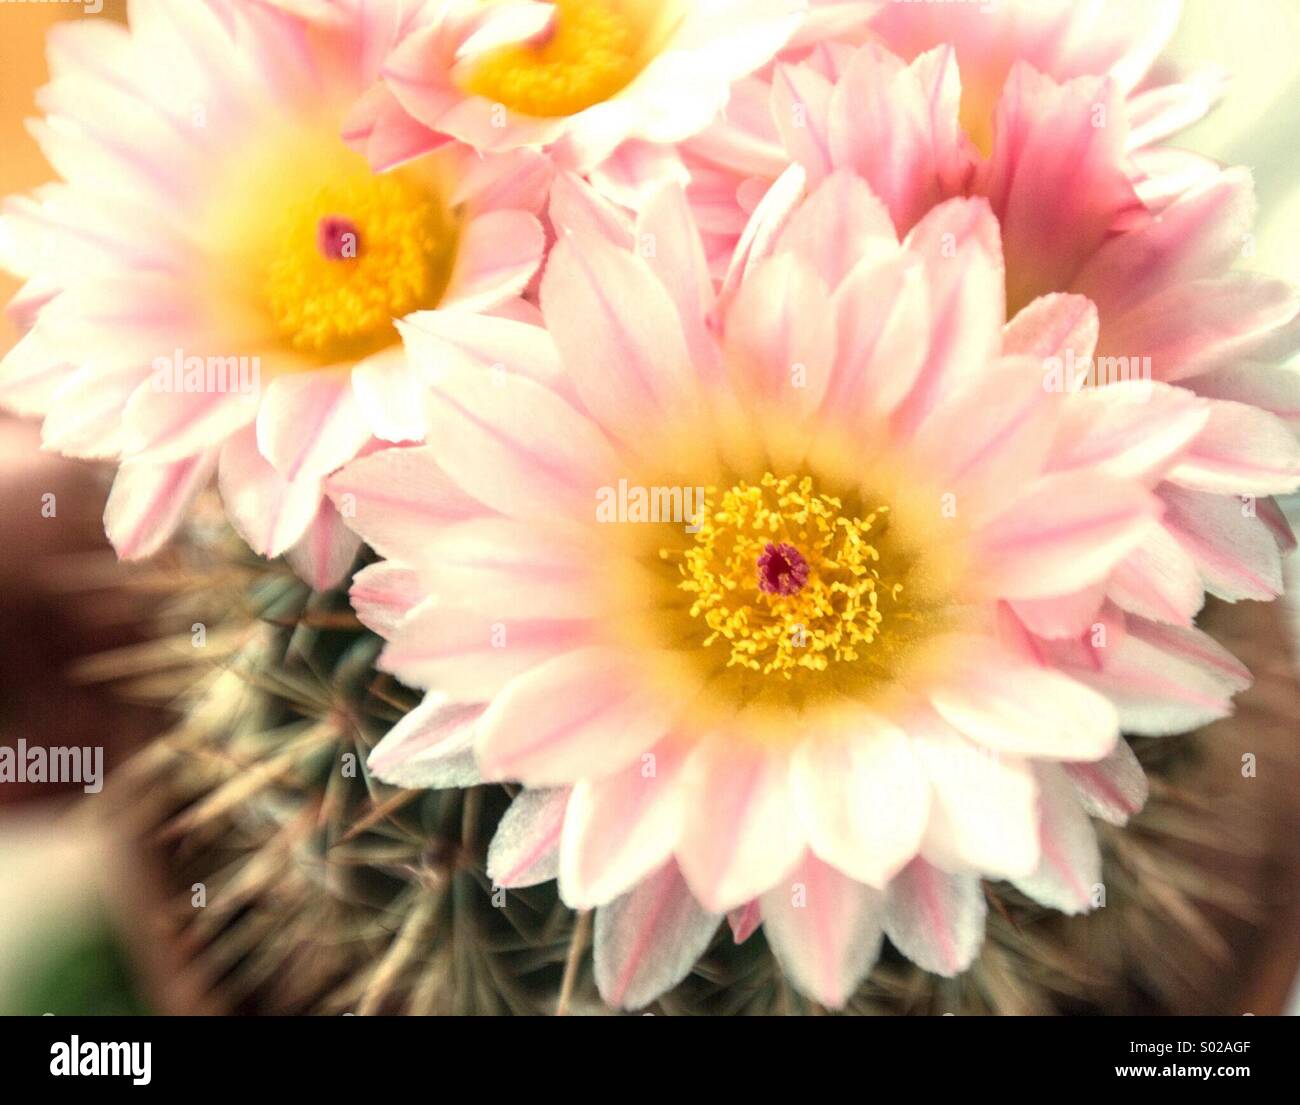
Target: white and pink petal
{"x": 935, "y": 918}
{"x": 525, "y": 849}
{"x": 432, "y": 746}
{"x": 824, "y": 929}
{"x": 648, "y": 940}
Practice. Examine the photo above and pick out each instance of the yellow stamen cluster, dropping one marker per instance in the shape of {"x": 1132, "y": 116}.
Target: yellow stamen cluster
{"x": 594, "y": 50}
{"x": 401, "y": 263}
{"x": 829, "y": 618}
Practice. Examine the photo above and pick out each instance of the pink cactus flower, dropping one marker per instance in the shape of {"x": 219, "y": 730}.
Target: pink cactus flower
{"x": 581, "y": 78}
{"x": 213, "y": 284}
{"x": 581, "y": 566}
{"x": 1050, "y": 111}
{"x": 943, "y": 100}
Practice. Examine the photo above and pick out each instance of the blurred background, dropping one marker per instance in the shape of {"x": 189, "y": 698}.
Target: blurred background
{"x": 82, "y": 921}
{"x": 71, "y": 901}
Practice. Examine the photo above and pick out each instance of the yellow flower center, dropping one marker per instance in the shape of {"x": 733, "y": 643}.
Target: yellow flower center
{"x": 593, "y": 50}
{"x": 783, "y": 577}
{"x": 355, "y": 254}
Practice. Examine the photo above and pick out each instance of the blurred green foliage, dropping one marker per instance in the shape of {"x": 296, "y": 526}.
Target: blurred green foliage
{"x": 84, "y": 972}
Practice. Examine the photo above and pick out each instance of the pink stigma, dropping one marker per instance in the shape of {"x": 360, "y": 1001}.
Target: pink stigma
{"x": 782, "y": 570}
{"x": 338, "y": 239}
